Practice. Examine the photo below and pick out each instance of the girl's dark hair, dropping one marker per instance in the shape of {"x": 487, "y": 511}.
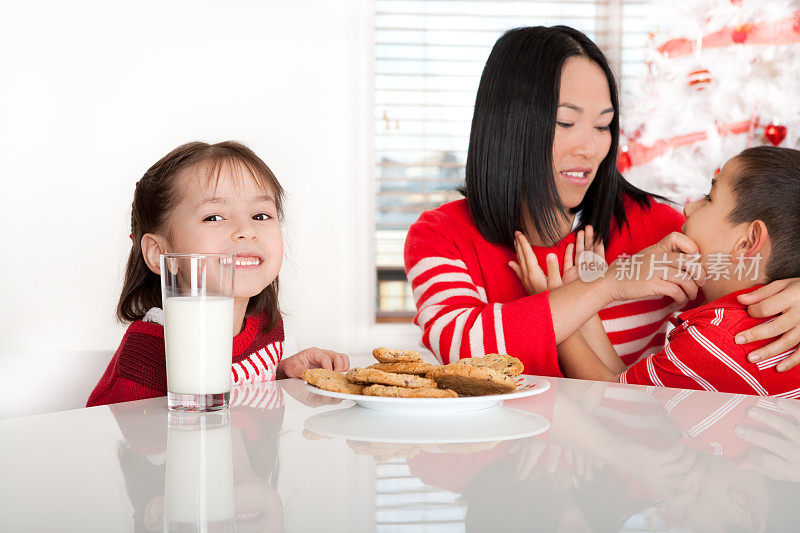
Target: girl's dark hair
{"x": 766, "y": 186}
{"x": 158, "y": 192}
{"x": 511, "y": 143}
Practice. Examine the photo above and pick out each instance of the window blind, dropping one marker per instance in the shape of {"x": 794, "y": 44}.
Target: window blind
{"x": 429, "y": 55}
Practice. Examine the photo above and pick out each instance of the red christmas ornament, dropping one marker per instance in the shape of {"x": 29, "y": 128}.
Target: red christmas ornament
{"x": 717, "y": 171}
{"x": 740, "y": 33}
{"x": 699, "y": 78}
{"x": 774, "y": 133}
{"x": 624, "y": 162}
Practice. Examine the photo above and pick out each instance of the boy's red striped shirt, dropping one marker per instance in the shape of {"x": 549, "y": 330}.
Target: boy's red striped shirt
{"x": 470, "y": 302}
{"x": 702, "y": 354}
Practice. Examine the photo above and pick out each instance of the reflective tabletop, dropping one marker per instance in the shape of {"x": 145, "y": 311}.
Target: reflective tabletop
{"x": 582, "y": 456}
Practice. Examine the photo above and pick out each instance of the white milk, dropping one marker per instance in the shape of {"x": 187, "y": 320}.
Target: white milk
{"x": 199, "y": 478}
{"x": 198, "y": 332}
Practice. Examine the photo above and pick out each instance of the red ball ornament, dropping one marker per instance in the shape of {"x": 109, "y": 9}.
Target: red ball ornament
{"x": 624, "y": 162}
{"x": 740, "y": 33}
{"x": 774, "y": 133}
{"x": 699, "y": 78}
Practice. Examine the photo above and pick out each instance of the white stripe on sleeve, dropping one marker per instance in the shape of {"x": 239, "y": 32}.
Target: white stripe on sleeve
{"x": 727, "y": 360}
{"x": 427, "y": 313}
{"x": 498, "y": 329}
{"x": 448, "y": 277}
{"x": 434, "y": 337}
{"x": 651, "y": 371}
{"x": 477, "y": 347}
{"x": 458, "y": 334}
{"x": 773, "y": 361}
{"x": 613, "y": 325}
{"x": 789, "y": 394}
{"x": 441, "y": 296}
{"x": 686, "y": 371}
{"x": 427, "y": 263}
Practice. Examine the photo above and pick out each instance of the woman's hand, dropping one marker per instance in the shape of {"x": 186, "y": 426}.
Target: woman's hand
{"x": 585, "y": 242}
{"x": 662, "y": 269}
{"x": 781, "y": 298}
{"x": 292, "y": 367}
{"x": 528, "y": 270}
{"x": 533, "y": 277}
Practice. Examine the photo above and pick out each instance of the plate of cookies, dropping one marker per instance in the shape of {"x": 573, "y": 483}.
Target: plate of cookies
{"x": 401, "y": 381}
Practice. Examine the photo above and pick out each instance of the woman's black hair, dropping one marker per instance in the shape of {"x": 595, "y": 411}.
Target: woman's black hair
{"x": 511, "y": 143}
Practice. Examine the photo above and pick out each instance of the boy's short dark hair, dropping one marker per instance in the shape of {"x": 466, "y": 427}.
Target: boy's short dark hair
{"x": 766, "y": 187}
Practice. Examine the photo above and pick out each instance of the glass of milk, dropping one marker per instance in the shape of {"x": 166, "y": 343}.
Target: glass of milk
{"x": 198, "y": 485}
{"x": 197, "y": 293}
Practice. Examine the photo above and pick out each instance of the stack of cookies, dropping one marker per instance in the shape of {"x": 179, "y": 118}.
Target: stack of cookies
{"x": 402, "y": 374}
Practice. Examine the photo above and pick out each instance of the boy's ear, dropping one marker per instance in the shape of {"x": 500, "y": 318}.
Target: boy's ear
{"x": 754, "y": 240}
{"x": 152, "y": 246}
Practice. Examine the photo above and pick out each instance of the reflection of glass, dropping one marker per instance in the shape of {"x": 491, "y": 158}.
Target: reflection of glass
{"x": 199, "y": 479}
{"x": 197, "y": 291}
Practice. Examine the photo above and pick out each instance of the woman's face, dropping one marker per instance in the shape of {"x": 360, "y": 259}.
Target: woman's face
{"x": 582, "y": 137}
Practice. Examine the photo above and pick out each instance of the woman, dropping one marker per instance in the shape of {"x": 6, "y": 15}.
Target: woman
{"x": 541, "y": 160}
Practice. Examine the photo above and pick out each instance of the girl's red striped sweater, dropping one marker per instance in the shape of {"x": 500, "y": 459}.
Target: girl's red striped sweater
{"x": 138, "y": 369}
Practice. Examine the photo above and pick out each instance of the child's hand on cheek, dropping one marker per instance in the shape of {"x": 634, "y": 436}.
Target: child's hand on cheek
{"x": 292, "y": 367}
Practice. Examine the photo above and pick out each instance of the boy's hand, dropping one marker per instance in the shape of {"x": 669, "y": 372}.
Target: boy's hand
{"x": 292, "y": 367}
{"x": 781, "y": 299}
{"x": 659, "y": 270}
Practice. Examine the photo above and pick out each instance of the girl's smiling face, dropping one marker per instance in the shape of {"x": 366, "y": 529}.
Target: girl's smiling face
{"x": 582, "y": 137}
{"x": 227, "y": 213}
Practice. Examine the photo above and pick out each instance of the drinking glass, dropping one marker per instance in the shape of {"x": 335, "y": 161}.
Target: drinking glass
{"x": 197, "y": 293}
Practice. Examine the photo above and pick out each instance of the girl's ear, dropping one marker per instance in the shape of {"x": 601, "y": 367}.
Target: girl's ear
{"x": 752, "y": 243}
{"x": 152, "y": 246}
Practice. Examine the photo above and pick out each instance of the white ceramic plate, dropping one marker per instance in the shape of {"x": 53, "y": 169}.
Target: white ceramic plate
{"x": 526, "y": 386}
{"x": 494, "y": 424}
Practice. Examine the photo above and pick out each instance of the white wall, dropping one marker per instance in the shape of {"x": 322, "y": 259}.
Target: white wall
{"x": 93, "y": 92}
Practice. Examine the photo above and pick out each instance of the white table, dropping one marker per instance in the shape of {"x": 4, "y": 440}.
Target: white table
{"x": 615, "y": 457}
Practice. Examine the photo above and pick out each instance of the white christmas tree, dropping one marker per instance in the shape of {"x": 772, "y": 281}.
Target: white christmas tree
{"x": 723, "y": 75}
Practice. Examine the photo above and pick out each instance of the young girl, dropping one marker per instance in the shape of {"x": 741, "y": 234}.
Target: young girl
{"x": 212, "y": 198}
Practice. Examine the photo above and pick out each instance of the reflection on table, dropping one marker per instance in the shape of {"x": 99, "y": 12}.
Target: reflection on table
{"x": 583, "y": 456}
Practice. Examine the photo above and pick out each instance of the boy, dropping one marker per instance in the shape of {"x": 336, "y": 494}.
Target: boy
{"x": 747, "y": 230}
